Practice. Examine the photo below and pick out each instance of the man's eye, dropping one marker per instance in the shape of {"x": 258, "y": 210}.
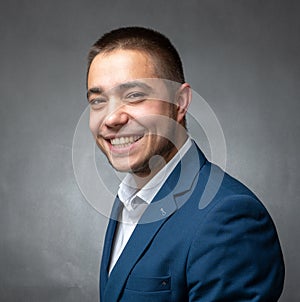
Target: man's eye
{"x": 136, "y": 96}
{"x": 97, "y": 102}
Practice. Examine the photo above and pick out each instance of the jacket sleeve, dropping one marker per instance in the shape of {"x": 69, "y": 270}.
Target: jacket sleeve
{"x": 235, "y": 255}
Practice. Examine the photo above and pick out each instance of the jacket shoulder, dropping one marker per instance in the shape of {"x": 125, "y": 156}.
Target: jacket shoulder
{"x": 234, "y": 235}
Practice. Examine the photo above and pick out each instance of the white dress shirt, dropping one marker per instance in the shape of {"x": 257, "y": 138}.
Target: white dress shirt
{"x": 136, "y": 201}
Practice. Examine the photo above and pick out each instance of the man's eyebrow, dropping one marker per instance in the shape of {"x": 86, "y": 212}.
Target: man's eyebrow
{"x": 134, "y": 84}
{"x": 94, "y": 90}
{"x": 123, "y": 86}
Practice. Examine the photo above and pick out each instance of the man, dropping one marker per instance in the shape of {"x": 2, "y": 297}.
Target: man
{"x": 165, "y": 240}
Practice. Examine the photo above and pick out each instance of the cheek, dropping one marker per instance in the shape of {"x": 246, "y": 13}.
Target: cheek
{"x": 94, "y": 123}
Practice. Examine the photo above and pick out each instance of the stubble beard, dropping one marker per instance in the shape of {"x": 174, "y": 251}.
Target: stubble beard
{"x": 157, "y": 156}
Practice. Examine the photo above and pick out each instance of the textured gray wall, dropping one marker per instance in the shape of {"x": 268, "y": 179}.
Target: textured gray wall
{"x": 241, "y": 56}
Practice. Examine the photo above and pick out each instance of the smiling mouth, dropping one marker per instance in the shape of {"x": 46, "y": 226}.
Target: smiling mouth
{"x": 124, "y": 141}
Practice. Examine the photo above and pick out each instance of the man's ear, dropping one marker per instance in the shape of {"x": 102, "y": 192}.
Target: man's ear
{"x": 183, "y": 100}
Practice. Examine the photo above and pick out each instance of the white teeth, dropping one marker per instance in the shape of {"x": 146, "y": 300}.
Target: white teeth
{"x": 124, "y": 141}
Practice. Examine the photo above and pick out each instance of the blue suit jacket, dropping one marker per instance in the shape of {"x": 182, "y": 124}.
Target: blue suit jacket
{"x": 205, "y": 237}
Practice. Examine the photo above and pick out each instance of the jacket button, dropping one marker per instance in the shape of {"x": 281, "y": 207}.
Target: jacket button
{"x": 164, "y": 283}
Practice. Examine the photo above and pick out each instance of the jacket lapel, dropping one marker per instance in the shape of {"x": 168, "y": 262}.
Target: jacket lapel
{"x": 163, "y": 206}
{"x": 108, "y": 242}
{"x": 133, "y": 250}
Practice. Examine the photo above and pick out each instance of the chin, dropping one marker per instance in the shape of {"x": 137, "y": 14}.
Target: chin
{"x": 120, "y": 168}
{"x": 135, "y": 168}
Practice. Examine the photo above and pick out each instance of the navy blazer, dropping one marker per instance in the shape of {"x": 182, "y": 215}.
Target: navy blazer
{"x": 205, "y": 237}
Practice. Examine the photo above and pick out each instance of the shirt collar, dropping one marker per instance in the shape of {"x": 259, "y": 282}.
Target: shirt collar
{"x": 128, "y": 192}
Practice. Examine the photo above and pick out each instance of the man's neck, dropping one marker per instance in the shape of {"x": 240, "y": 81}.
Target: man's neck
{"x": 155, "y": 164}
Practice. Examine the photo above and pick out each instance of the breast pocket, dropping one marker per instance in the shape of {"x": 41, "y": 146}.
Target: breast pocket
{"x": 150, "y": 289}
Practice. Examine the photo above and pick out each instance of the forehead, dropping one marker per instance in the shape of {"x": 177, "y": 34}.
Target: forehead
{"x": 110, "y": 69}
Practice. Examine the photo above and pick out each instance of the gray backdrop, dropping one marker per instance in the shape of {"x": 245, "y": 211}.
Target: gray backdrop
{"x": 241, "y": 56}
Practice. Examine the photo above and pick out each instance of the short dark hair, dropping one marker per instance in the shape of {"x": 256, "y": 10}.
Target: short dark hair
{"x": 168, "y": 62}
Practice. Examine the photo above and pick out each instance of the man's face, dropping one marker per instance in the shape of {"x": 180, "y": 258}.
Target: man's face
{"x": 131, "y": 117}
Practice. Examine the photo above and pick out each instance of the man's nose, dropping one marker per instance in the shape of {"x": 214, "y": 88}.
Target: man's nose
{"x": 116, "y": 116}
